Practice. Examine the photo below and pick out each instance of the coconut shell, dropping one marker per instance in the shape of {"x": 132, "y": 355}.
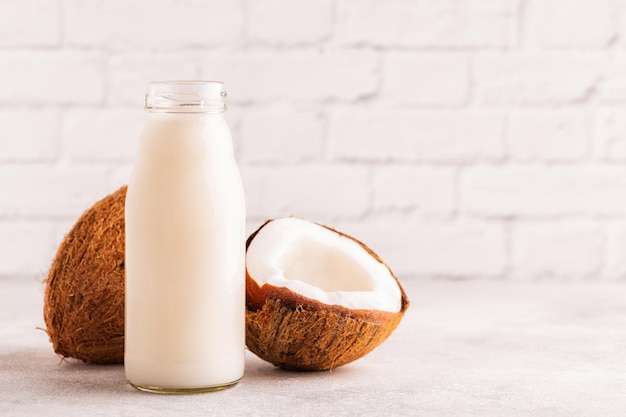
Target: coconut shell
{"x": 84, "y": 296}
{"x": 84, "y": 305}
{"x": 299, "y": 333}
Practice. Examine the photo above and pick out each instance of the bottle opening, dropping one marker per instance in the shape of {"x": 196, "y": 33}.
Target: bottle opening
{"x": 186, "y": 97}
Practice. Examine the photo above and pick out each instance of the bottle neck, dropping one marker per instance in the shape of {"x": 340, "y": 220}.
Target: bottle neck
{"x": 186, "y": 97}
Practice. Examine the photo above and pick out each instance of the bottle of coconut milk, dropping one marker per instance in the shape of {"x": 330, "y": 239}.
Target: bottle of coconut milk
{"x": 185, "y": 219}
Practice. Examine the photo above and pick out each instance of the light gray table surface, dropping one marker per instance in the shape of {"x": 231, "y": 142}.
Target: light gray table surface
{"x": 479, "y": 348}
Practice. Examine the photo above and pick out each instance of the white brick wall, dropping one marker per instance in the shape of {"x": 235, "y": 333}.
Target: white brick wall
{"x": 459, "y": 139}
{"x": 20, "y": 27}
{"x": 425, "y": 79}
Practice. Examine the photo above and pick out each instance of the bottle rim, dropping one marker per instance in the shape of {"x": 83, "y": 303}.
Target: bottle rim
{"x": 186, "y": 96}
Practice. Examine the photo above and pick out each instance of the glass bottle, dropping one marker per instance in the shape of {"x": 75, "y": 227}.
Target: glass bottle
{"x": 185, "y": 246}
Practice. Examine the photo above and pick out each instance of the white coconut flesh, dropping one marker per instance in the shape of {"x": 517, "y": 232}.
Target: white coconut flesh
{"x": 320, "y": 264}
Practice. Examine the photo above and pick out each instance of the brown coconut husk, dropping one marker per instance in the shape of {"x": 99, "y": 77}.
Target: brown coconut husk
{"x": 84, "y": 297}
{"x": 299, "y": 333}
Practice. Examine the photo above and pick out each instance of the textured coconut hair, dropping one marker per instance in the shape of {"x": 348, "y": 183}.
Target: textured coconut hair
{"x": 307, "y": 339}
{"x": 84, "y": 296}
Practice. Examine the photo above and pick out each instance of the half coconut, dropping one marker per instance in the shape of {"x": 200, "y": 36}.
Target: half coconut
{"x": 316, "y": 298}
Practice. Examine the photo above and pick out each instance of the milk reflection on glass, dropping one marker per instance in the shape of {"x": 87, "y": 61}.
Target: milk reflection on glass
{"x": 185, "y": 221}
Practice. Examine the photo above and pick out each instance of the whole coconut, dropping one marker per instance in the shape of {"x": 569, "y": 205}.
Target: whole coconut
{"x": 84, "y": 297}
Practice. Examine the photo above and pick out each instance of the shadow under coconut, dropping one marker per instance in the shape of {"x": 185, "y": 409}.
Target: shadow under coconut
{"x": 36, "y": 375}
{"x": 260, "y": 370}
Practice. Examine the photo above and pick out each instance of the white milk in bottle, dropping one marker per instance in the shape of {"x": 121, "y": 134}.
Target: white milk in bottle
{"x": 185, "y": 246}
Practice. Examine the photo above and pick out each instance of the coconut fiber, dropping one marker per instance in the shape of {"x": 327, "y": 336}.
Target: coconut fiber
{"x": 301, "y": 338}
{"x": 84, "y": 297}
